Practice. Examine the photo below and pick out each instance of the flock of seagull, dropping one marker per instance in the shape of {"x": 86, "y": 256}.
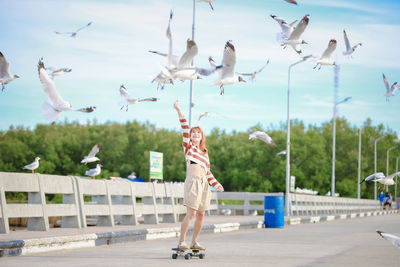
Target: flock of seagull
{"x": 91, "y": 157}
{"x": 181, "y": 68}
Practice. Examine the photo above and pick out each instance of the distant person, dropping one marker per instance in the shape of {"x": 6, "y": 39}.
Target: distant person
{"x": 381, "y": 197}
{"x": 197, "y": 193}
{"x": 387, "y": 201}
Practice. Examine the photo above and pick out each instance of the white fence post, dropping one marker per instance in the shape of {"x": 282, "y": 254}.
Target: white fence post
{"x": 4, "y": 226}
{"x": 40, "y": 223}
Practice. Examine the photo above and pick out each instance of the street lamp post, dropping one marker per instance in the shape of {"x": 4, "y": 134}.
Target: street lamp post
{"x": 191, "y": 81}
{"x": 387, "y": 163}
{"x": 334, "y": 144}
{"x": 395, "y": 187}
{"x": 287, "y": 198}
{"x": 359, "y": 164}
{"x": 375, "y": 143}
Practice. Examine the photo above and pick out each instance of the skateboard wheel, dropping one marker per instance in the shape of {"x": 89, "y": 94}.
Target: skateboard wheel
{"x": 201, "y": 255}
{"x": 187, "y": 256}
{"x": 174, "y": 256}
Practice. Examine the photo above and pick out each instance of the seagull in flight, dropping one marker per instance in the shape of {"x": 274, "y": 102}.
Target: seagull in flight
{"x": 33, "y": 166}
{"x": 325, "y": 59}
{"x": 5, "y": 75}
{"x": 254, "y": 74}
{"x": 164, "y": 77}
{"x": 94, "y": 172}
{"x": 390, "y": 91}
{"x": 263, "y": 137}
{"x": 349, "y": 49}
{"x": 73, "y": 34}
{"x": 286, "y": 28}
{"x": 204, "y": 114}
{"x": 291, "y": 2}
{"x": 180, "y": 67}
{"x": 209, "y": 2}
{"x": 372, "y": 176}
{"x": 127, "y": 99}
{"x": 387, "y": 180}
{"x": 58, "y": 105}
{"x": 92, "y": 155}
{"x": 395, "y": 240}
{"x": 283, "y": 152}
{"x": 57, "y": 72}
{"x": 294, "y": 39}
{"x": 227, "y": 72}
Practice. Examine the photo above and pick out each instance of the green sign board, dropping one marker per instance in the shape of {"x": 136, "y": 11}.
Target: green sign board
{"x": 156, "y": 165}
{"x": 292, "y": 182}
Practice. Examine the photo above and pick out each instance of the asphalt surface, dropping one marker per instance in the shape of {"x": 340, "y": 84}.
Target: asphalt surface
{"x": 351, "y": 242}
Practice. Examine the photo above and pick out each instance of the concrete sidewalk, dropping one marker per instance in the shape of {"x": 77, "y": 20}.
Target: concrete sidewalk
{"x": 23, "y": 242}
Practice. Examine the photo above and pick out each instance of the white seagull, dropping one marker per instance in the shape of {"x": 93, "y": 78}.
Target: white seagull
{"x": 387, "y": 180}
{"x": 372, "y": 176}
{"x": 128, "y": 100}
{"x": 263, "y": 137}
{"x": 390, "y": 91}
{"x": 294, "y": 39}
{"x": 181, "y": 67}
{"x": 57, "y": 72}
{"x": 325, "y": 59}
{"x": 395, "y": 240}
{"x": 227, "y": 72}
{"x": 5, "y": 75}
{"x": 73, "y": 34}
{"x": 204, "y": 114}
{"x": 254, "y": 74}
{"x": 161, "y": 79}
{"x": 58, "y": 105}
{"x": 283, "y": 152}
{"x": 207, "y": 1}
{"x": 91, "y": 157}
{"x": 225, "y": 211}
{"x": 33, "y": 166}
{"x": 286, "y": 28}
{"x": 94, "y": 172}
{"x": 349, "y": 49}
{"x": 164, "y": 77}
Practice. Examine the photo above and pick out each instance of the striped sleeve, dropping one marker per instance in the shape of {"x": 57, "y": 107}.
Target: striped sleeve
{"x": 185, "y": 131}
{"x": 211, "y": 179}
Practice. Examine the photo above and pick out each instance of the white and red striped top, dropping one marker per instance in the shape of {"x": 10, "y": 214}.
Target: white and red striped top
{"x": 192, "y": 153}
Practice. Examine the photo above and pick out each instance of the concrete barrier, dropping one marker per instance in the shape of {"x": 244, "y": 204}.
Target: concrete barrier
{"x": 110, "y": 202}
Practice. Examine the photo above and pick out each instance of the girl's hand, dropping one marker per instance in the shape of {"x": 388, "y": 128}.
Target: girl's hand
{"x": 176, "y": 105}
{"x": 220, "y": 188}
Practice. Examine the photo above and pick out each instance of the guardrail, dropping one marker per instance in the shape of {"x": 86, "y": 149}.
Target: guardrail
{"x": 112, "y": 202}
{"x": 309, "y": 205}
{"x": 300, "y": 204}
{"x": 105, "y": 200}
{"x": 248, "y": 203}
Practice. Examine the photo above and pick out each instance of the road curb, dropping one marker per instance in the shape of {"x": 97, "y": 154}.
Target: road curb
{"x": 324, "y": 218}
{"x": 42, "y": 245}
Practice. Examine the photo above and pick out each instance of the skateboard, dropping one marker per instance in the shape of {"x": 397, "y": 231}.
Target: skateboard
{"x": 188, "y": 253}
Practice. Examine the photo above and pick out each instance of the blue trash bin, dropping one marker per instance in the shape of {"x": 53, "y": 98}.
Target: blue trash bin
{"x": 274, "y": 211}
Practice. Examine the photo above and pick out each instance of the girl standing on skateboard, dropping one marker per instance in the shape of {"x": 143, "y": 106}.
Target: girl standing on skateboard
{"x": 198, "y": 175}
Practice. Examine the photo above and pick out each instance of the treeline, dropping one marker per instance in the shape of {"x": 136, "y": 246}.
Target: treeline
{"x": 238, "y": 163}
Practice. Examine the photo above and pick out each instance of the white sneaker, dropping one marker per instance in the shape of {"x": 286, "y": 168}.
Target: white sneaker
{"x": 183, "y": 245}
{"x": 197, "y": 246}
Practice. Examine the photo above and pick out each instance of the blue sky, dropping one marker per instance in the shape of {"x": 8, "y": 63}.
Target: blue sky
{"x": 113, "y": 51}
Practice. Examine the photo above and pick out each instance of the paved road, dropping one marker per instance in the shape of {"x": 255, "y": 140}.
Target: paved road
{"x": 337, "y": 243}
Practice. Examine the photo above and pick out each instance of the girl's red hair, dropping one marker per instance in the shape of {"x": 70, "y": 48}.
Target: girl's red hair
{"x": 202, "y": 145}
